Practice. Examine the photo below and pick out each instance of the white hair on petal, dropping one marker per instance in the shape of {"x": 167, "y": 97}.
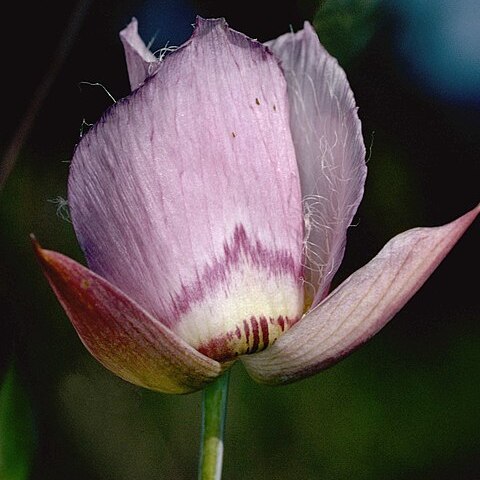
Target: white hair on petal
{"x": 370, "y": 147}
{"x": 314, "y": 221}
{"x": 98, "y": 84}
{"x": 84, "y": 127}
{"x": 165, "y": 50}
{"x": 62, "y": 210}
{"x": 152, "y": 40}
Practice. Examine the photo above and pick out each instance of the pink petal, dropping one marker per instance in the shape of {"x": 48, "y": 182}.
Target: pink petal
{"x": 120, "y": 334}
{"x": 186, "y": 195}
{"x": 359, "y": 307}
{"x": 329, "y": 147}
{"x": 141, "y": 63}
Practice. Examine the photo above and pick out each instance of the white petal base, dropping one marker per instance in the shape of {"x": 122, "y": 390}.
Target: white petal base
{"x": 245, "y": 314}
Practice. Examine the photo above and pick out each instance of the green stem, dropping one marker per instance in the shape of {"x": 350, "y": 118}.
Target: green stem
{"x": 214, "y": 407}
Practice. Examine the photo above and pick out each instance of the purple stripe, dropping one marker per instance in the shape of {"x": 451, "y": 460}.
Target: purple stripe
{"x": 265, "y": 333}
{"x": 256, "y": 334}
{"x": 247, "y": 333}
{"x": 217, "y": 272}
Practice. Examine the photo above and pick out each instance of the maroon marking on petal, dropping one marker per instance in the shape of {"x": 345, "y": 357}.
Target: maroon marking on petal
{"x": 281, "y": 323}
{"x": 229, "y": 345}
{"x": 238, "y": 333}
{"x": 264, "y": 327}
{"x": 218, "y": 348}
{"x": 246, "y": 327}
{"x": 256, "y": 334}
{"x": 291, "y": 321}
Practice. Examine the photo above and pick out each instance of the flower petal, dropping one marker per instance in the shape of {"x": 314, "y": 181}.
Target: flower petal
{"x": 141, "y": 63}
{"x": 120, "y": 334}
{"x": 360, "y": 306}
{"x": 329, "y": 148}
{"x": 186, "y": 195}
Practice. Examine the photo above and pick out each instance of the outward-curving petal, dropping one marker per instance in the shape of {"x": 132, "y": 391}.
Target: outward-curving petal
{"x": 359, "y": 307}
{"x": 186, "y": 195}
{"x": 141, "y": 63}
{"x": 329, "y": 147}
{"x": 121, "y": 335}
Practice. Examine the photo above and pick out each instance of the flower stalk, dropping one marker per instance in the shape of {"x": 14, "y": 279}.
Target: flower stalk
{"x": 214, "y": 409}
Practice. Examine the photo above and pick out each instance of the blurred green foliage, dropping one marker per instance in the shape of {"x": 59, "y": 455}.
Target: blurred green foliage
{"x": 346, "y": 26}
{"x": 405, "y": 406}
{"x": 16, "y": 429}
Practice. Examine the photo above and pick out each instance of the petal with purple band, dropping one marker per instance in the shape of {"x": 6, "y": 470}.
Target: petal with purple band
{"x": 141, "y": 63}
{"x": 186, "y": 195}
{"x": 121, "y": 335}
{"x": 329, "y": 147}
{"x": 360, "y": 306}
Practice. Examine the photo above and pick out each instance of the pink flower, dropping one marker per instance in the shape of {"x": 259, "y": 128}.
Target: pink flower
{"x": 212, "y": 205}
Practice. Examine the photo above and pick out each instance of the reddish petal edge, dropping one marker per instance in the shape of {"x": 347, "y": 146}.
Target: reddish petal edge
{"x": 120, "y": 334}
{"x": 360, "y": 306}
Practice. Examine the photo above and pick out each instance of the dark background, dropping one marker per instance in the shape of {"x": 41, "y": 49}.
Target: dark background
{"x": 406, "y": 405}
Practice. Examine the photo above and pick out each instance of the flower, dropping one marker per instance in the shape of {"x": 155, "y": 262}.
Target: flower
{"x": 212, "y": 206}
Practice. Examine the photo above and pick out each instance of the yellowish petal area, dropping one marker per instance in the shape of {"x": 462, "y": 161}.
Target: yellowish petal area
{"x": 244, "y": 314}
{"x": 308, "y": 301}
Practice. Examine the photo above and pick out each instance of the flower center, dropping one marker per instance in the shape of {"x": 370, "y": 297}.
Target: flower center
{"x": 251, "y": 335}
{"x": 244, "y": 313}
{"x": 242, "y": 303}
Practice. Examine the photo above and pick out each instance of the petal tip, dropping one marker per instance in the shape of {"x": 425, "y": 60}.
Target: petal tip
{"x": 205, "y": 25}
{"x": 468, "y": 218}
{"x": 131, "y": 28}
{"x": 220, "y": 27}
{"x": 33, "y": 239}
{"x": 37, "y": 248}
{"x": 45, "y": 257}
{"x": 307, "y": 26}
